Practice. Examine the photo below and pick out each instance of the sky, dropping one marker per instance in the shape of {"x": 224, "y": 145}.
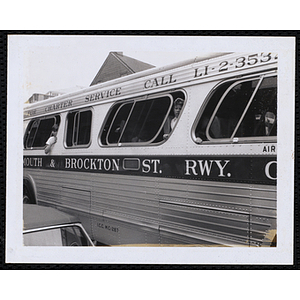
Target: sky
{"x": 43, "y": 63}
{"x": 46, "y": 63}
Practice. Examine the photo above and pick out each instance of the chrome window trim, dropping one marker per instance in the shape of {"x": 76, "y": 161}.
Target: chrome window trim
{"x": 39, "y": 120}
{"x": 66, "y": 129}
{"x": 142, "y": 98}
{"x": 207, "y": 100}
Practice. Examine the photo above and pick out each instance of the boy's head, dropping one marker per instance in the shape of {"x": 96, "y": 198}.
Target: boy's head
{"x": 178, "y": 103}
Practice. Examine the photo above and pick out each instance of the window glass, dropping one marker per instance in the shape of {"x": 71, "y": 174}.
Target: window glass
{"x": 231, "y": 109}
{"x": 32, "y": 129}
{"x": 119, "y": 123}
{"x": 79, "y": 128}
{"x": 43, "y": 132}
{"x": 214, "y": 98}
{"x": 84, "y": 128}
{"x": 139, "y": 121}
{"x": 245, "y": 109}
{"x": 260, "y": 118}
{"x": 145, "y": 120}
{"x": 70, "y": 129}
{"x": 38, "y": 131}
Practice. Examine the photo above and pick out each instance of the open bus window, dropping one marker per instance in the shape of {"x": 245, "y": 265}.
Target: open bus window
{"x": 118, "y": 124}
{"x": 78, "y": 128}
{"x": 245, "y": 109}
{"x": 38, "y": 131}
{"x": 260, "y": 119}
{"x": 137, "y": 122}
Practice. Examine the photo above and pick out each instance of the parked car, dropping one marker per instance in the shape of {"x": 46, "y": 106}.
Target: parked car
{"x": 47, "y": 226}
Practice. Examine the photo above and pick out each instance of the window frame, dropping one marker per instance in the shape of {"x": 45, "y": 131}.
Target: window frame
{"x": 113, "y": 120}
{"x": 135, "y": 100}
{"x": 77, "y": 113}
{"x": 252, "y": 139}
{"x": 56, "y": 117}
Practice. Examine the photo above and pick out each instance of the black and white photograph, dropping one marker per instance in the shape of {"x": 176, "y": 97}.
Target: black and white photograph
{"x": 150, "y": 149}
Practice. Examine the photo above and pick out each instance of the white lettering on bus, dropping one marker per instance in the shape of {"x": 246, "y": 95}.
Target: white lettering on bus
{"x": 73, "y": 163}
{"x": 79, "y": 163}
{"x": 85, "y": 164}
{"x": 221, "y": 168}
{"x": 93, "y": 164}
{"x": 267, "y": 169}
{"x": 33, "y": 162}
{"x": 147, "y": 165}
{"x": 107, "y": 164}
{"x": 67, "y": 163}
{"x": 203, "y": 167}
{"x": 116, "y": 165}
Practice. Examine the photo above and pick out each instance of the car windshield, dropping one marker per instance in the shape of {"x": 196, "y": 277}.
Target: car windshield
{"x": 64, "y": 236}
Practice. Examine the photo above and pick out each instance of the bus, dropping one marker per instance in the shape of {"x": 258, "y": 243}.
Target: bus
{"x": 184, "y": 154}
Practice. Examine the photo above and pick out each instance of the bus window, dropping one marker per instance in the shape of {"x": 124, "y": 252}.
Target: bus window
{"x": 137, "y": 122}
{"x": 231, "y": 109}
{"x": 38, "y": 131}
{"x": 119, "y": 122}
{"x": 260, "y": 118}
{"x": 243, "y": 109}
{"x": 78, "y": 128}
{"x": 30, "y": 133}
{"x": 145, "y": 120}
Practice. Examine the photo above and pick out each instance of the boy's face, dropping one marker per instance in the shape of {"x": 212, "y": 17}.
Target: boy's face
{"x": 177, "y": 110}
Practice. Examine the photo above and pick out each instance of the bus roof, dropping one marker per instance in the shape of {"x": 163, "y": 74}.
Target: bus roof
{"x": 138, "y": 75}
{"x": 199, "y": 68}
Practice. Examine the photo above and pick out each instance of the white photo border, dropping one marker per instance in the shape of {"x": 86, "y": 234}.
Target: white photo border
{"x": 282, "y": 254}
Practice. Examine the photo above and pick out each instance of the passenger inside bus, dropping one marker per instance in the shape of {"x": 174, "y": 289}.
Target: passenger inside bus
{"x": 173, "y": 118}
{"x": 243, "y": 111}
{"x": 52, "y": 139}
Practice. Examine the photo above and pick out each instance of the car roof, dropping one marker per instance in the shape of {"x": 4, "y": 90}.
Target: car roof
{"x": 36, "y": 216}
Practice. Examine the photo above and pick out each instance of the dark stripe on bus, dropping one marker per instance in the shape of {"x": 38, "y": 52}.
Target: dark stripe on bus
{"x": 240, "y": 169}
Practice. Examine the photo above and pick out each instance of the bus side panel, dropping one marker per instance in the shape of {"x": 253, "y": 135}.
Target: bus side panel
{"x": 113, "y": 209}
{"x": 125, "y": 209}
{"x": 263, "y": 222}
{"x": 57, "y": 189}
{"x": 215, "y": 212}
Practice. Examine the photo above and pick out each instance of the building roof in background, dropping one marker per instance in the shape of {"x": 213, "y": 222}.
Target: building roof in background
{"x": 117, "y": 65}
{"x": 66, "y": 90}
{"x": 39, "y": 97}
